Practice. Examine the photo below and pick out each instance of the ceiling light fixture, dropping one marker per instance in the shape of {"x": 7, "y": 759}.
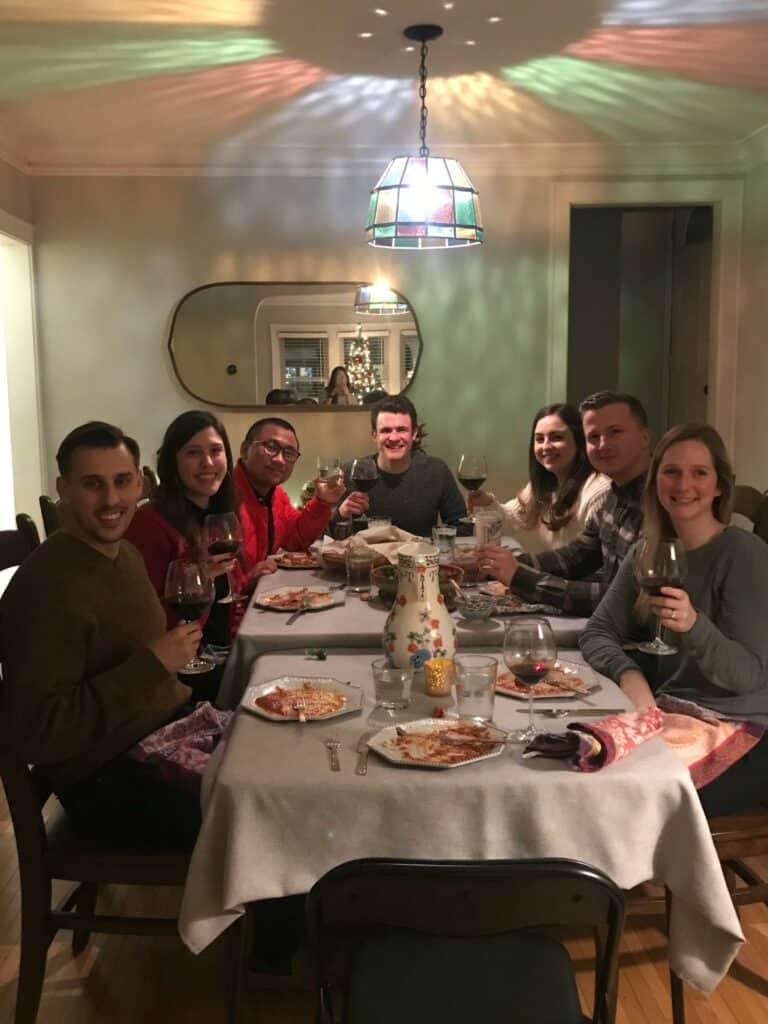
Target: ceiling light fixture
{"x": 424, "y": 202}
{"x": 379, "y": 299}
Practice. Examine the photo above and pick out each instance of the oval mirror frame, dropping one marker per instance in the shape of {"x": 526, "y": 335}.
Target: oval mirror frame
{"x": 228, "y": 329}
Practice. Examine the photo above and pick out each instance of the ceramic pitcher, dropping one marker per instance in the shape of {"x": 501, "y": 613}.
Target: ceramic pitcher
{"x": 419, "y": 626}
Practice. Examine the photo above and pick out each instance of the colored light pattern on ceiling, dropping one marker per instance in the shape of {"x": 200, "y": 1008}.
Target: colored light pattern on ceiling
{"x": 734, "y": 55}
{"x": 682, "y": 12}
{"x": 75, "y": 57}
{"x": 633, "y": 106}
{"x": 145, "y": 12}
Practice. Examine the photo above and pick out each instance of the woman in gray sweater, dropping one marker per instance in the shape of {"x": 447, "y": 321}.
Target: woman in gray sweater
{"x": 720, "y": 618}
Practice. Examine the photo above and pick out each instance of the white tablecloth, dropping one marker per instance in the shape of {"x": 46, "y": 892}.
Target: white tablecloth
{"x": 354, "y": 623}
{"x": 276, "y": 818}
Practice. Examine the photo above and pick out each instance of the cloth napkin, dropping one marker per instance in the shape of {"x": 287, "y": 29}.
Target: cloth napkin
{"x": 179, "y": 751}
{"x": 589, "y": 746}
{"x": 384, "y": 540}
{"x": 707, "y": 742}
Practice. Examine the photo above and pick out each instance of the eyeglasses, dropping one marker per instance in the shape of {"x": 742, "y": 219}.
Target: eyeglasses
{"x": 273, "y": 449}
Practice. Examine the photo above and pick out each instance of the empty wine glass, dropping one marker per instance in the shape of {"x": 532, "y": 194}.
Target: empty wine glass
{"x": 530, "y": 652}
{"x": 472, "y": 473}
{"x": 659, "y": 565}
{"x": 189, "y": 591}
{"x": 222, "y": 535}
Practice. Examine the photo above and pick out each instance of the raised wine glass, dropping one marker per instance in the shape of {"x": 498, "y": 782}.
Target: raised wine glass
{"x": 363, "y": 475}
{"x": 222, "y": 535}
{"x": 530, "y": 652}
{"x": 472, "y": 473}
{"x": 189, "y": 591}
{"x": 656, "y": 566}
{"x": 328, "y": 467}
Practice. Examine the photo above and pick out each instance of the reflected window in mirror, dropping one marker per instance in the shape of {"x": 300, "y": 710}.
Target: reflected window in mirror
{"x": 232, "y": 344}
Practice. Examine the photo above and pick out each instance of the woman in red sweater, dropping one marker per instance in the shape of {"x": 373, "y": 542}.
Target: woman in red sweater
{"x": 194, "y": 465}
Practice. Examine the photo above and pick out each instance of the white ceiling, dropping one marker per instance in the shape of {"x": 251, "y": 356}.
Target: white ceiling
{"x": 94, "y": 85}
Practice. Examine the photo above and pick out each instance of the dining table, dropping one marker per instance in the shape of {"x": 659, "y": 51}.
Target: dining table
{"x": 349, "y": 622}
{"x": 276, "y": 817}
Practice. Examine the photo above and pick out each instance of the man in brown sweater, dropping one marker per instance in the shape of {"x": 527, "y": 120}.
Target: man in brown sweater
{"x": 88, "y": 666}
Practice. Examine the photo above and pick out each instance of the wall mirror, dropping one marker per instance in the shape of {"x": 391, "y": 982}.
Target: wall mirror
{"x": 233, "y": 343}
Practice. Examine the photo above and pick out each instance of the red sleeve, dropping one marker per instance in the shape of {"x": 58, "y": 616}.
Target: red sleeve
{"x": 296, "y": 529}
{"x": 159, "y": 544}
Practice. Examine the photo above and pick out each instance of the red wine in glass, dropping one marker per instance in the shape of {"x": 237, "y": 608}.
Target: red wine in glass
{"x": 223, "y": 547}
{"x": 363, "y": 475}
{"x": 529, "y": 653}
{"x": 222, "y": 535}
{"x": 472, "y": 483}
{"x": 656, "y": 566}
{"x": 189, "y": 607}
{"x": 362, "y": 483}
{"x": 530, "y": 672}
{"x": 189, "y": 591}
{"x": 472, "y": 473}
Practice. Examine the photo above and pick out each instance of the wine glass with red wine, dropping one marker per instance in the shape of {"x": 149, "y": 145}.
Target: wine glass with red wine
{"x": 189, "y": 592}
{"x": 472, "y": 474}
{"x": 222, "y": 535}
{"x": 530, "y": 653}
{"x": 363, "y": 475}
{"x": 656, "y": 566}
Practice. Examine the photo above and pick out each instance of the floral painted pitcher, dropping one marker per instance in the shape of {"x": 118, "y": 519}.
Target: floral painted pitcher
{"x": 419, "y": 626}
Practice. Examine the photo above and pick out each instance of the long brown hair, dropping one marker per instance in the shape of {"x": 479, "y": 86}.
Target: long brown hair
{"x": 657, "y": 525}
{"x": 551, "y": 504}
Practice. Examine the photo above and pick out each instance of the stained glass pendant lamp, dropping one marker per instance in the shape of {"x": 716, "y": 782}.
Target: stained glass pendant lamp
{"x": 424, "y": 202}
{"x": 379, "y": 300}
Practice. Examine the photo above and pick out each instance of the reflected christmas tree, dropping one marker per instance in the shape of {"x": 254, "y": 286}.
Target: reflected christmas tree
{"x": 363, "y": 378}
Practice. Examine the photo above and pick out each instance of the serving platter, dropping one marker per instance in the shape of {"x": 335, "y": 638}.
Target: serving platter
{"x": 276, "y": 698}
{"x": 289, "y": 599}
{"x": 419, "y": 744}
{"x": 574, "y": 679}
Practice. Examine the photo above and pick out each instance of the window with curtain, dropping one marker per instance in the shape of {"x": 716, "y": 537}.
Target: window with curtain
{"x": 304, "y": 364}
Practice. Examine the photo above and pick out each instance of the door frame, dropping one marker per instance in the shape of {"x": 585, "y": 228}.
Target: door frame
{"x": 725, "y": 196}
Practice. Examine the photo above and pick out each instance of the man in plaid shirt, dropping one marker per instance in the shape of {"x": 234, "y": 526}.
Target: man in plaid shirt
{"x": 618, "y": 444}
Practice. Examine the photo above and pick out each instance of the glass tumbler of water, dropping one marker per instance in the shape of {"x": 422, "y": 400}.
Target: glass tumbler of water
{"x": 359, "y": 562}
{"x": 444, "y": 539}
{"x": 475, "y": 685}
{"x": 391, "y": 685}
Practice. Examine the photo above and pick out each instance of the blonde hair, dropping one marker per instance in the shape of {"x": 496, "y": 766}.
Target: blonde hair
{"x": 657, "y": 525}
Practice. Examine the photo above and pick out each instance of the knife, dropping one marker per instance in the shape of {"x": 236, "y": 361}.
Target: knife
{"x": 571, "y": 712}
{"x": 361, "y": 768}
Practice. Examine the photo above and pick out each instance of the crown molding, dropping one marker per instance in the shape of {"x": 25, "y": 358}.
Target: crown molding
{"x": 755, "y": 148}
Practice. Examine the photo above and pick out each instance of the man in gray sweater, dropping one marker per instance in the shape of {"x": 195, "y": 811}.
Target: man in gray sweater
{"x": 411, "y": 488}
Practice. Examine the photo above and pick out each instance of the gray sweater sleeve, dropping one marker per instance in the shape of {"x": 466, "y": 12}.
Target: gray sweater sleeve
{"x": 612, "y": 622}
{"x": 732, "y": 652}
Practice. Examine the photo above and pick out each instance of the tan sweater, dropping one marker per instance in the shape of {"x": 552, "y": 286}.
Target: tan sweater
{"x": 80, "y": 684}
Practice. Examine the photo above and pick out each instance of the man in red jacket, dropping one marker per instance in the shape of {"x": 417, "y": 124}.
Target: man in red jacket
{"x": 269, "y": 521}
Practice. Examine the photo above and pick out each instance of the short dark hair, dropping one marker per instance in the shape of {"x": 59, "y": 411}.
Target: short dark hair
{"x": 94, "y": 434}
{"x": 398, "y": 404}
{"x": 602, "y": 398}
{"x": 267, "y": 421}
{"x": 281, "y": 396}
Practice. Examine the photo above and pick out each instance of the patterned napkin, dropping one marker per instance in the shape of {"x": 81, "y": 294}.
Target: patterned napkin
{"x": 590, "y": 746}
{"x": 384, "y": 540}
{"x": 179, "y": 751}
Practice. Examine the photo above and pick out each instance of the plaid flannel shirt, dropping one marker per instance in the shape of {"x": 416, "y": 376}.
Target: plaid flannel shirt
{"x": 559, "y": 577}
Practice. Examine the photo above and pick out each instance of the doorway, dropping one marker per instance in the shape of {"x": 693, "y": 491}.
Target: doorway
{"x": 639, "y": 307}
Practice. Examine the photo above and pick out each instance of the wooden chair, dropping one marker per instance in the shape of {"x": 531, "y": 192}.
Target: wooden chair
{"x": 28, "y": 529}
{"x": 750, "y": 503}
{"x": 462, "y": 940}
{"x": 50, "y": 514}
{"x": 151, "y": 483}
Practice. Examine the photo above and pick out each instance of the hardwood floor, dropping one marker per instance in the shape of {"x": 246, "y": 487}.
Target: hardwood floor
{"x": 123, "y": 980}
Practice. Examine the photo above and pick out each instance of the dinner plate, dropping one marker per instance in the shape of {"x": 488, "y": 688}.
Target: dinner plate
{"x": 352, "y": 697}
{"x": 288, "y": 599}
{"x": 420, "y": 748}
{"x": 296, "y": 560}
{"x": 572, "y": 674}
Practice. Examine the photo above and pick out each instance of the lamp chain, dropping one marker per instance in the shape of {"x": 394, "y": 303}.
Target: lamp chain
{"x": 423, "y": 148}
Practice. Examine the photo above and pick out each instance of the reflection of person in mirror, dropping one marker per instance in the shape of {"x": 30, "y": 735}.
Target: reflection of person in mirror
{"x": 717, "y": 620}
{"x": 89, "y": 668}
{"x": 412, "y": 489}
{"x": 268, "y": 456}
{"x": 338, "y": 390}
{"x": 563, "y": 489}
{"x": 281, "y": 396}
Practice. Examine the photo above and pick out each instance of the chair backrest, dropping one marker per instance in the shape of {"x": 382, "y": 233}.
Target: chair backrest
{"x": 468, "y": 898}
{"x": 151, "y": 483}
{"x": 750, "y": 503}
{"x": 50, "y": 514}
{"x": 15, "y": 545}
{"x": 28, "y": 529}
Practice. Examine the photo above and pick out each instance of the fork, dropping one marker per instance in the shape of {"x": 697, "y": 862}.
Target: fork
{"x": 332, "y": 746}
{"x": 361, "y": 768}
{"x": 301, "y": 709}
{"x": 303, "y": 607}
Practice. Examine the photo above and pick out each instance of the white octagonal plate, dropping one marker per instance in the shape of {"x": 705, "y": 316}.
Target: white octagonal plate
{"x": 314, "y": 692}
{"x": 421, "y": 746}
